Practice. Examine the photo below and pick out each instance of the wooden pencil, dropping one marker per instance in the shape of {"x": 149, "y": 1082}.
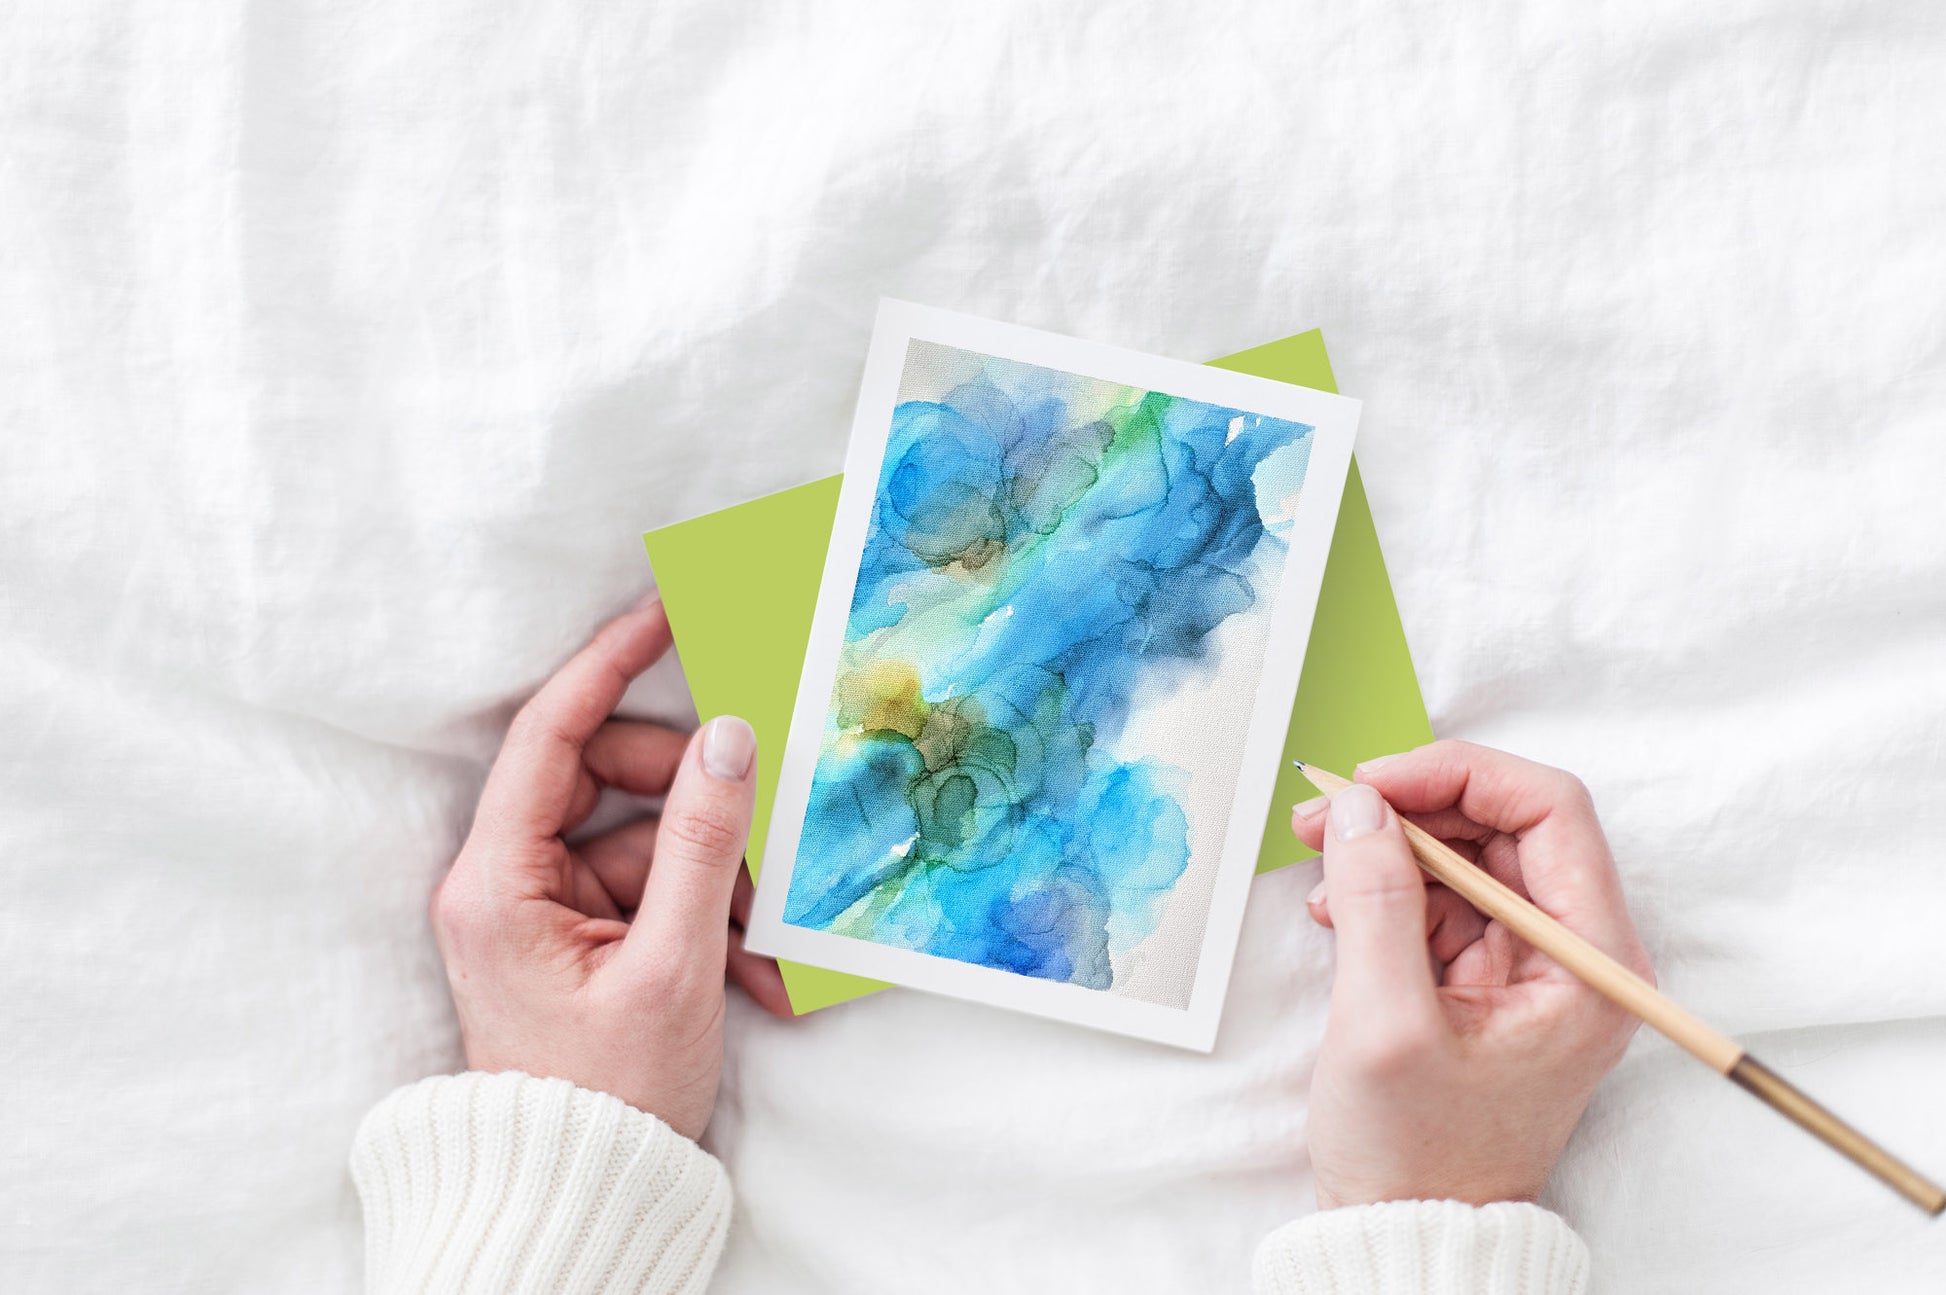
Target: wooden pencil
{"x": 1638, "y": 997}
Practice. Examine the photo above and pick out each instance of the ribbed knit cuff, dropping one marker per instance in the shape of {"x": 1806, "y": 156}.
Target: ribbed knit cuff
{"x": 505, "y": 1182}
{"x": 1439, "y": 1247}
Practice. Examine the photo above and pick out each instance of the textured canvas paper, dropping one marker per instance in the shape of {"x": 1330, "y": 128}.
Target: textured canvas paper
{"x": 1060, "y": 627}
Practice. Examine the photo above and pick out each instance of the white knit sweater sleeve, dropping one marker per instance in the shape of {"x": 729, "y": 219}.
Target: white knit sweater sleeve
{"x": 505, "y": 1182}
{"x": 1436, "y": 1247}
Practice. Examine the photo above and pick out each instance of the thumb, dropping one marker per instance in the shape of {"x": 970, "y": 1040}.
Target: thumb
{"x": 685, "y": 913}
{"x": 1378, "y": 907}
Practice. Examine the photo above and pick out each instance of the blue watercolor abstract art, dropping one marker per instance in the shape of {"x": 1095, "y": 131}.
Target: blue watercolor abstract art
{"x": 1059, "y": 621}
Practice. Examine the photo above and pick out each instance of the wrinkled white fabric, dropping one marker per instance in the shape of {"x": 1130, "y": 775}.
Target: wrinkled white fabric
{"x": 345, "y": 348}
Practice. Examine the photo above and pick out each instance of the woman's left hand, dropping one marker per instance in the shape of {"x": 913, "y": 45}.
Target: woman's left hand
{"x": 604, "y": 963}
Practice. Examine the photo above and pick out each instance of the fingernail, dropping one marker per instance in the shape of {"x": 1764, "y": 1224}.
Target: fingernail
{"x": 729, "y": 745}
{"x": 1310, "y": 808}
{"x": 1357, "y": 811}
{"x": 648, "y": 600}
{"x": 1375, "y": 763}
{"x": 1317, "y": 894}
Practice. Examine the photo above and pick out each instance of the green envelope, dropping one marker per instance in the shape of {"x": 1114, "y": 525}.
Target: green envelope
{"x": 740, "y": 586}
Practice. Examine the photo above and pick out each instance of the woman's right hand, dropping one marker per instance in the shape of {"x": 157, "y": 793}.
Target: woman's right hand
{"x": 1457, "y": 1059}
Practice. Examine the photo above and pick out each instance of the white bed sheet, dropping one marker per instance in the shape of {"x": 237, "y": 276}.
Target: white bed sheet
{"x": 345, "y": 349}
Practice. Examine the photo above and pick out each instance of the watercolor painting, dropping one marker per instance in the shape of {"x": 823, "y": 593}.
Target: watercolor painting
{"x": 1057, "y": 632}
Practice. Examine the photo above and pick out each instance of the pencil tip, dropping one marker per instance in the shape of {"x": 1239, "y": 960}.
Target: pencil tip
{"x": 1298, "y": 763}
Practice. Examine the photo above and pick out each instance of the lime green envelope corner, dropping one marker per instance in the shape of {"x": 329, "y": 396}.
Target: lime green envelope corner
{"x": 740, "y": 586}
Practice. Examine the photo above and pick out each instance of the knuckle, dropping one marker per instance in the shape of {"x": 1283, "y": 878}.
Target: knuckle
{"x": 1604, "y": 1033}
{"x": 456, "y": 911}
{"x": 1577, "y": 1022}
{"x": 1382, "y": 889}
{"x": 1575, "y": 792}
{"x": 711, "y": 832}
{"x": 533, "y": 725}
{"x": 1451, "y": 760}
{"x": 526, "y": 724}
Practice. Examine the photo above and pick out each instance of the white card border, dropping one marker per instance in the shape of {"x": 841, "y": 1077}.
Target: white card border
{"x": 1335, "y": 420}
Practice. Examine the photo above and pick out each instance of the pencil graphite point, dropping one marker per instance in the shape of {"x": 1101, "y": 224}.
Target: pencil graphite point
{"x": 1299, "y": 764}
